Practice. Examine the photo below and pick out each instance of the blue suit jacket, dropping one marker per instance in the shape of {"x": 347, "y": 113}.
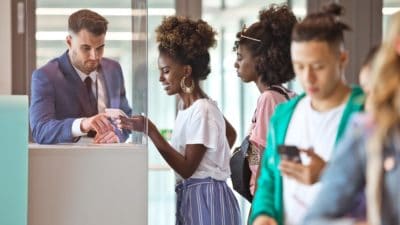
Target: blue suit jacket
{"x": 59, "y": 97}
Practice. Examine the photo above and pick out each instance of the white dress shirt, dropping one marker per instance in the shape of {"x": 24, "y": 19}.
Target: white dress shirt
{"x": 99, "y": 93}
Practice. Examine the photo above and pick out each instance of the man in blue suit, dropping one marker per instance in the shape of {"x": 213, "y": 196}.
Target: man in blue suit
{"x": 70, "y": 93}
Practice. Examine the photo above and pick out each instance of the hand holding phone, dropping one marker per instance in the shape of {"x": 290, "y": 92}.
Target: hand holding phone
{"x": 292, "y": 167}
{"x": 290, "y": 153}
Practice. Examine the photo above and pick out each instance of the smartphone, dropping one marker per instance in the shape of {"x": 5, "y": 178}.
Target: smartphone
{"x": 290, "y": 153}
{"x": 115, "y": 113}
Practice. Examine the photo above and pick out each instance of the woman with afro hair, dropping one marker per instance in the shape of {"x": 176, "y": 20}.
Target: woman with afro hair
{"x": 199, "y": 152}
{"x": 263, "y": 57}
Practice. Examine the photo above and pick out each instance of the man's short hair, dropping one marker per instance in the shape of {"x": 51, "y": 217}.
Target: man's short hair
{"x": 89, "y": 20}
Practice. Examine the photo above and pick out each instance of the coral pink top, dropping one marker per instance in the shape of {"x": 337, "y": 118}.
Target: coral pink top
{"x": 266, "y": 105}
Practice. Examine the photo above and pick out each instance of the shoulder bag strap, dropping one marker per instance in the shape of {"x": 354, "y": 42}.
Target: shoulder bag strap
{"x": 280, "y": 90}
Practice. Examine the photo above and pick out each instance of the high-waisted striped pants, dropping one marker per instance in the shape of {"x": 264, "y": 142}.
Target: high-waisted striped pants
{"x": 206, "y": 202}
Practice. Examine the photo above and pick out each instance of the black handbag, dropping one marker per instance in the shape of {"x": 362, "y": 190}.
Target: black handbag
{"x": 240, "y": 170}
{"x": 239, "y": 164}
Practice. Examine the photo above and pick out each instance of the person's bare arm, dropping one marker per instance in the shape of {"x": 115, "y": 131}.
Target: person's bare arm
{"x": 261, "y": 151}
{"x": 230, "y": 133}
{"x": 184, "y": 165}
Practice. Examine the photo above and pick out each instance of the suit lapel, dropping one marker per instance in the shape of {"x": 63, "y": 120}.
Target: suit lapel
{"x": 75, "y": 82}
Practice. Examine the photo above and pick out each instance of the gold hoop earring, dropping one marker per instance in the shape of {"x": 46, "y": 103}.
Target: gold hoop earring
{"x": 186, "y": 89}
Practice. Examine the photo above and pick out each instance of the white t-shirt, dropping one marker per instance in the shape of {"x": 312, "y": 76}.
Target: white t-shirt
{"x": 308, "y": 128}
{"x": 203, "y": 123}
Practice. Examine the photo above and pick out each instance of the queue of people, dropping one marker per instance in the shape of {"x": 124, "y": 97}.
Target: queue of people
{"x": 325, "y": 156}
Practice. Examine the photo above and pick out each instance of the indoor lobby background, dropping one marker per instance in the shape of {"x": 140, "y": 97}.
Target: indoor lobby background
{"x": 235, "y": 99}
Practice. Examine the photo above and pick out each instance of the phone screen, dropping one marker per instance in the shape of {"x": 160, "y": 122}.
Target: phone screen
{"x": 290, "y": 153}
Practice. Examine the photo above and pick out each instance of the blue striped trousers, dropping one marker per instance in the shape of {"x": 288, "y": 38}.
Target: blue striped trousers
{"x": 206, "y": 202}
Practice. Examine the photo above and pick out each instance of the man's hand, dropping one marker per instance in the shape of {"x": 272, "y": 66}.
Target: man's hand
{"x": 107, "y": 137}
{"x": 306, "y": 174}
{"x": 98, "y": 123}
{"x": 264, "y": 220}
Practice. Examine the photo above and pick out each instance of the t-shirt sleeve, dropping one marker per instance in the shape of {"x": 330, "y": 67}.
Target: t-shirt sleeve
{"x": 265, "y": 108}
{"x": 204, "y": 128}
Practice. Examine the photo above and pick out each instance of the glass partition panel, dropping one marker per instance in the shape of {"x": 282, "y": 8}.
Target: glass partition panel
{"x": 126, "y": 41}
{"x": 162, "y": 112}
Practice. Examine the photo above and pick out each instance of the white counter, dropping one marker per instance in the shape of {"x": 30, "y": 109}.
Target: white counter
{"x": 87, "y": 184}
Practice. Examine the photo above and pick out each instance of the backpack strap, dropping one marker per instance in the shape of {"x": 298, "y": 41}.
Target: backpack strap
{"x": 281, "y": 90}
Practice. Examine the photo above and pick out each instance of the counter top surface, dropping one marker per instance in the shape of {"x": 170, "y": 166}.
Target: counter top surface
{"x": 76, "y": 146}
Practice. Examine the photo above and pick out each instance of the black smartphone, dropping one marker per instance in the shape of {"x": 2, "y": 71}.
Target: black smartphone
{"x": 290, "y": 153}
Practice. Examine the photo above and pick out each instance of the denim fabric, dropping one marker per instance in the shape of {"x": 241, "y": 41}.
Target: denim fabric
{"x": 345, "y": 179}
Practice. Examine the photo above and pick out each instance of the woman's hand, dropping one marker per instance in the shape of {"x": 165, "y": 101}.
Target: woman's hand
{"x": 136, "y": 123}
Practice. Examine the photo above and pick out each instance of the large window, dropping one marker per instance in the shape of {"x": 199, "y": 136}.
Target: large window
{"x": 389, "y": 7}
{"x": 299, "y": 8}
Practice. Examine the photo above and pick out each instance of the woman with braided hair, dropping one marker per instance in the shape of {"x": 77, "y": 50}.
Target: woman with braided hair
{"x": 199, "y": 152}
